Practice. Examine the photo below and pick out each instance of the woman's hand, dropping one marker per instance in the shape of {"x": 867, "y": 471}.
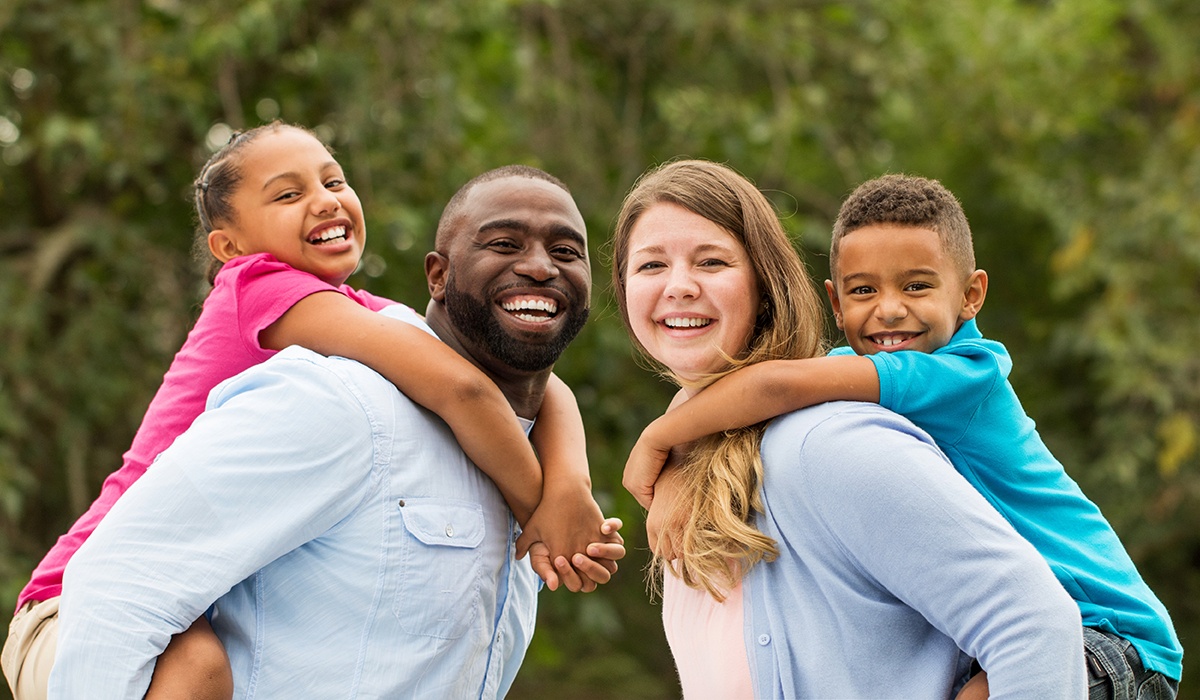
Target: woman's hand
{"x": 664, "y": 520}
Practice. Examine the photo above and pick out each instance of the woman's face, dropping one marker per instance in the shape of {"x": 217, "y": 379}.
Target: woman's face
{"x": 690, "y": 290}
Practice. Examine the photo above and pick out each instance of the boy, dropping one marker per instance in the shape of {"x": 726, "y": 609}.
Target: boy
{"x": 904, "y": 278}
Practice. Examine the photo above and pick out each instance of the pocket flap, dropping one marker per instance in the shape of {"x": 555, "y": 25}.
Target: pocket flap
{"x": 443, "y": 522}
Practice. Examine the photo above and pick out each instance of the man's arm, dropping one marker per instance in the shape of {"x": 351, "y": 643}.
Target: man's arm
{"x": 907, "y": 519}
{"x": 283, "y": 453}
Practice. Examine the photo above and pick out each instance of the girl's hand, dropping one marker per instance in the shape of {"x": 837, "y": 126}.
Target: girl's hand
{"x": 664, "y": 520}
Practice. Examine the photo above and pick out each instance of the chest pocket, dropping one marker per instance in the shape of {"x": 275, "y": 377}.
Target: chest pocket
{"x": 438, "y": 590}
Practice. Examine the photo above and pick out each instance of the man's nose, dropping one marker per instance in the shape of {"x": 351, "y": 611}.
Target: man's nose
{"x": 537, "y": 264}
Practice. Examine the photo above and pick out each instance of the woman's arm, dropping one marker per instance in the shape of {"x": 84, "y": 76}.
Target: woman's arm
{"x": 750, "y": 395}
{"x": 428, "y": 372}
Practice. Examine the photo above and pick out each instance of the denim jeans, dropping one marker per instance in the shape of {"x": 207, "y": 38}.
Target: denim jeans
{"x": 1115, "y": 670}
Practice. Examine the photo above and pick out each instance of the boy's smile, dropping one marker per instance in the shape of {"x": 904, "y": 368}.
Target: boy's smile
{"x": 898, "y": 289}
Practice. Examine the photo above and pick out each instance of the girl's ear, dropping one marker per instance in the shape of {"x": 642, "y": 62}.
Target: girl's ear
{"x": 223, "y": 246}
{"x": 833, "y": 302}
{"x": 973, "y": 295}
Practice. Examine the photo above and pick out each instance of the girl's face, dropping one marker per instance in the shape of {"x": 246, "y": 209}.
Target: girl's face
{"x": 294, "y": 203}
{"x": 690, "y": 290}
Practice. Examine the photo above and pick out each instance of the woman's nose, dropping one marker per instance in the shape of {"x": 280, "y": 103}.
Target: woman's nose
{"x": 681, "y": 284}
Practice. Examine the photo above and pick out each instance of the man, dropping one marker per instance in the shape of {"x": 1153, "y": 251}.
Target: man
{"x": 345, "y": 543}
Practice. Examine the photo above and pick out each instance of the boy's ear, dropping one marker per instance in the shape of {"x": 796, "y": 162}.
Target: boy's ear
{"x": 973, "y": 295}
{"x": 436, "y": 270}
{"x": 834, "y": 303}
{"x": 222, "y": 245}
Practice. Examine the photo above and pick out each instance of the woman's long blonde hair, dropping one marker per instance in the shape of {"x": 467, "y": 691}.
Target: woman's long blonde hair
{"x": 719, "y": 542}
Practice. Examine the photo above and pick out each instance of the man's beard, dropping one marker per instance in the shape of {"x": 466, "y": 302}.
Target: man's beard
{"x": 473, "y": 318}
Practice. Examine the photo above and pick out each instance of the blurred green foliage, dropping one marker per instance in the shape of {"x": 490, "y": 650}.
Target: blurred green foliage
{"x": 1070, "y": 129}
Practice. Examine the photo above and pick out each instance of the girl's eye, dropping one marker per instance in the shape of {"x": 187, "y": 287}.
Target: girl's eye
{"x": 651, "y": 265}
{"x": 713, "y": 262}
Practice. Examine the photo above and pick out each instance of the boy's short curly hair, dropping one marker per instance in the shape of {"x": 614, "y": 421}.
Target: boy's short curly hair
{"x": 910, "y": 201}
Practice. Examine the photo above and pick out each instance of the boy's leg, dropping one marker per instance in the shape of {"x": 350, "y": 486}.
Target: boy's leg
{"x": 1115, "y": 670}
{"x": 29, "y": 650}
{"x": 194, "y": 666}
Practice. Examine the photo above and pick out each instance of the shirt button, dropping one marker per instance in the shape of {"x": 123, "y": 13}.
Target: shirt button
{"x": 764, "y": 639}
{"x": 449, "y": 531}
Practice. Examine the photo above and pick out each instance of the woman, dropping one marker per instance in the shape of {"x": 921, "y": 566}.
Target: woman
{"x": 802, "y": 551}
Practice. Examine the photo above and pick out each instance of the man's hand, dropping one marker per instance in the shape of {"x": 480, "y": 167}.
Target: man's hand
{"x": 590, "y": 570}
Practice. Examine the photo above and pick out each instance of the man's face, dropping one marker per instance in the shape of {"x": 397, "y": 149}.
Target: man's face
{"x": 515, "y": 278}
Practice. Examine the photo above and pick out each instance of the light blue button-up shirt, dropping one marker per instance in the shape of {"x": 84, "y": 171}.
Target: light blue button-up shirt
{"x": 347, "y": 546}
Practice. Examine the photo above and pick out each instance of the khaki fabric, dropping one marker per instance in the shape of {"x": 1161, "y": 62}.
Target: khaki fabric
{"x": 29, "y": 651}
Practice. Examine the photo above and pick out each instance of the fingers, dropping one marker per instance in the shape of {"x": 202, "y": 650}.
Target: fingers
{"x": 597, "y": 571}
{"x": 611, "y": 527}
{"x": 523, "y": 543}
{"x": 539, "y": 559}
{"x": 571, "y": 579}
{"x": 606, "y": 550}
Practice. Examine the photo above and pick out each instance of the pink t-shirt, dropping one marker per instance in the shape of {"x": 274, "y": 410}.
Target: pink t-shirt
{"x": 707, "y": 641}
{"x": 249, "y": 294}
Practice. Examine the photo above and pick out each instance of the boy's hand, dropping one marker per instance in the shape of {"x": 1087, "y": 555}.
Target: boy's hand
{"x": 592, "y": 569}
{"x": 645, "y": 463}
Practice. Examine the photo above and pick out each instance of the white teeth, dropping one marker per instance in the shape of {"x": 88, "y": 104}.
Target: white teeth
{"x": 889, "y": 342}
{"x": 686, "y": 322}
{"x": 545, "y": 305}
{"x": 330, "y": 233}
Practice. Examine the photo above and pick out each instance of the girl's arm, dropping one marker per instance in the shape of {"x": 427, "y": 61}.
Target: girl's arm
{"x": 747, "y": 396}
{"x": 428, "y": 372}
{"x": 568, "y": 519}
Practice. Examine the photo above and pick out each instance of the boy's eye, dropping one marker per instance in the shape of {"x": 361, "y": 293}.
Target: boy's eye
{"x": 335, "y": 184}
{"x": 861, "y": 290}
{"x": 290, "y": 194}
{"x": 918, "y": 286}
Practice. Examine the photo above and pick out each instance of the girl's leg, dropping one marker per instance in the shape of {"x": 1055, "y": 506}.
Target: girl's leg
{"x": 194, "y": 666}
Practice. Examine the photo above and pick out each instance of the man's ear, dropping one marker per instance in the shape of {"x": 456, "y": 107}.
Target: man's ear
{"x": 973, "y": 295}
{"x": 222, "y": 245}
{"x": 833, "y": 302}
{"x": 436, "y": 269}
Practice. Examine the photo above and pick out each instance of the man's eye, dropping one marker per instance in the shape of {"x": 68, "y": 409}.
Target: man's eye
{"x": 567, "y": 252}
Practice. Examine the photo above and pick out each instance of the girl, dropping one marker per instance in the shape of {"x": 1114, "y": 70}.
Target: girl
{"x": 285, "y": 230}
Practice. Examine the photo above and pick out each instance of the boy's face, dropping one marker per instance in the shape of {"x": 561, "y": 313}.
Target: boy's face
{"x": 897, "y": 289}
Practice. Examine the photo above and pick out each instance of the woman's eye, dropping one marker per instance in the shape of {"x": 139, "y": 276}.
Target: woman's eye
{"x": 652, "y": 265}
{"x": 713, "y": 262}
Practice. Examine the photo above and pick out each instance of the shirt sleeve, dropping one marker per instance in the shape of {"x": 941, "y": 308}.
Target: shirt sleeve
{"x": 265, "y": 289}
{"x": 933, "y": 542}
{"x": 941, "y": 392}
{"x": 251, "y": 480}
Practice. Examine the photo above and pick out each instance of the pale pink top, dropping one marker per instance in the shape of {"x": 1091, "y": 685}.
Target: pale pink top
{"x": 707, "y": 641}
{"x": 249, "y": 294}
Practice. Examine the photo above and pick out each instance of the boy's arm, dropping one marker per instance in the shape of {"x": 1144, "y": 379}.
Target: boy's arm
{"x": 568, "y": 519}
{"x": 747, "y": 396}
{"x": 428, "y": 372}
